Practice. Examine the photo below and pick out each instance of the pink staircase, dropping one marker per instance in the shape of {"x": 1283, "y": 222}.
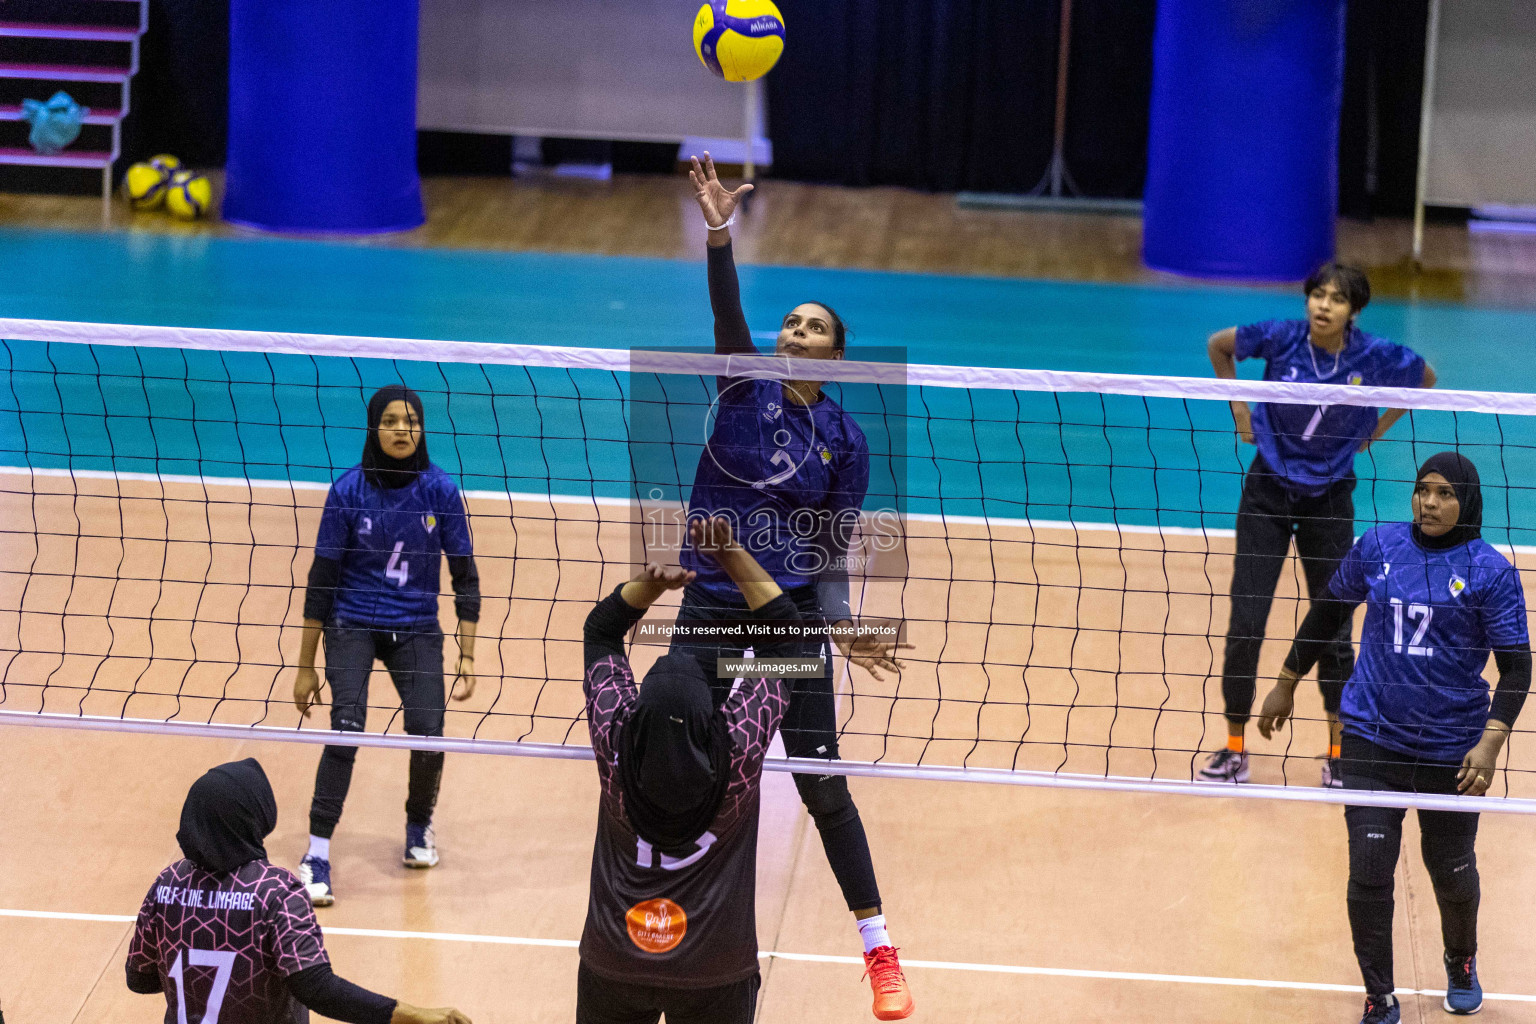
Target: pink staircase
{"x": 44, "y": 79}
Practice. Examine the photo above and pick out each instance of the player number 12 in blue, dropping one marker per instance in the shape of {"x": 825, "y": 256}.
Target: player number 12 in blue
{"x": 1423, "y": 613}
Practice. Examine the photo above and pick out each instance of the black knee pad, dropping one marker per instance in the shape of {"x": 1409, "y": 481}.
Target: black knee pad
{"x": 423, "y": 721}
{"x": 1374, "y": 841}
{"x": 348, "y": 717}
{"x": 1452, "y": 864}
{"x": 828, "y": 800}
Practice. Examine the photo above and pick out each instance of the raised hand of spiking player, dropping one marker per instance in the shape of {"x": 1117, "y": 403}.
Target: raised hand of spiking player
{"x": 715, "y": 200}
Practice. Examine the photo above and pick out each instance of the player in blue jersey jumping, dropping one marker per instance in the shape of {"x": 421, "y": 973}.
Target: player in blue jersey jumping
{"x": 1416, "y": 713}
{"x": 789, "y": 468}
{"x": 373, "y": 592}
{"x": 1301, "y": 483}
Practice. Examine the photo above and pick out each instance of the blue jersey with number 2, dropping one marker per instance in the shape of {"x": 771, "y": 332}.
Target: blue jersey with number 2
{"x": 1431, "y": 619}
{"x": 1313, "y": 446}
{"x": 390, "y": 543}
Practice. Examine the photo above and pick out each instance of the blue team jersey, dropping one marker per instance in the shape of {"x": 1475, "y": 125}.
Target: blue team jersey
{"x": 390, "y": 543}
{"x": 1313, "y": 446}
{"x": 782, "y": 472}
{"x": 1431, "y": 618}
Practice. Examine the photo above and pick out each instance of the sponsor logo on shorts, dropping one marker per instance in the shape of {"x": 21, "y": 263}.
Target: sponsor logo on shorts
{"x": 656, "y": 926}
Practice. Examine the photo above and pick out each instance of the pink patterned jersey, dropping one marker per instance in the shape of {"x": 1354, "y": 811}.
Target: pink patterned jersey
{"x": 224, "y": 945}
{"x": 680, "y": 920}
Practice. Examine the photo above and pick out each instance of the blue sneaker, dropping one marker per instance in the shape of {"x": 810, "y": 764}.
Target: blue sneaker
{"x": 315, "y": 873}
{"x": 420, "y": 846}
{"x": 1463, "y": 994}
{"x": 1381, "y": 1010}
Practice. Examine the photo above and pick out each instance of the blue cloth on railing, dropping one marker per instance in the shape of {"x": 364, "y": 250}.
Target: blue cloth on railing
{"x": 56, "y": 123}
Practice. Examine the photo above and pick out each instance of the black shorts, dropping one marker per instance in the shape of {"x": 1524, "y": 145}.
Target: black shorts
{"x": 600, "y": 1001}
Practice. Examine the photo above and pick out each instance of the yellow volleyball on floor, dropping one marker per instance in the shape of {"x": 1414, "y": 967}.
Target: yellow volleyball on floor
{"x": 189, "y": 195}
{"x": 167, "y": 163}
{"x": 739, "y": 40}
{"x": 144, "y": 186}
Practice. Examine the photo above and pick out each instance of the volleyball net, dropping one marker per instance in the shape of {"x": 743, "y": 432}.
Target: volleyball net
{"x": 1057, "y": 547}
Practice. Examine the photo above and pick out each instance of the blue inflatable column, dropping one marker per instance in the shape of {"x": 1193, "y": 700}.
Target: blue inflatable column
{"x": 1242, "y": 161}
{"x": 322, "y": 115}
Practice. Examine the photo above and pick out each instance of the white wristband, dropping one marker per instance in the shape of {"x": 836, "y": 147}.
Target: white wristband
{"x": 721, "y": 227}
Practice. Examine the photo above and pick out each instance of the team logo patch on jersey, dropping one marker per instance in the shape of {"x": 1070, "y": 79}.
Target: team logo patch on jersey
{"x": 1355, "y": 378}
{"x": 429, "y": 522}
{"x": 826, "y": 456}
{"x": 656, "y": 926}
{"x": 1457, "y": 586}
{"x": 773, "y": 411}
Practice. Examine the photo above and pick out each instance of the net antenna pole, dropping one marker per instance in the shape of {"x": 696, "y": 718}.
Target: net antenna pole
{"x": 1426, "y": 105}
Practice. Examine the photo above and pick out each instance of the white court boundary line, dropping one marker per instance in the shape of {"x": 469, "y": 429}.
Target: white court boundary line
{"x": 797, "y": 765}
{"x": 703, "y": 364}
{"x": 581, "y": 501}
{"x": 819, "y": 958}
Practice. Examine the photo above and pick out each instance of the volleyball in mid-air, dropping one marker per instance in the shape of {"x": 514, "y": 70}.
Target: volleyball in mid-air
{"x": 739, "y": 40}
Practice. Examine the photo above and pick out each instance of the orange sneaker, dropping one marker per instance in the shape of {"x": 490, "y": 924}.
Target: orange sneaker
{"x": 893, "y": 1000}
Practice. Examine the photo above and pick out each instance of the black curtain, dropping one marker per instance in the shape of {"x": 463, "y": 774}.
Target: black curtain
{"x": 181, "y": 93}
{"x": 960, "y": 94}
{"x": 1379, "y": 123}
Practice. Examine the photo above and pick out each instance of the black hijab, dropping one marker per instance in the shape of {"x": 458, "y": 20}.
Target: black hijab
{"x": 674, "y": 756}
{"x": 1462, "y": 476}
{"x": 229, "y": 811}
{"x": 383, "y": 470}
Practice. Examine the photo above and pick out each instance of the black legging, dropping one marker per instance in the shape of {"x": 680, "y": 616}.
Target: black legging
{"x": 809, "y": 730}
{"x": 1447, "y": 839}
{"x": 415, "y": 665}
{"x": 1268, "y": 516}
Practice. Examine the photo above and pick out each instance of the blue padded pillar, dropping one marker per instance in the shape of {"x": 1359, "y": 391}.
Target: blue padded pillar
{"x": 1242, "y": 162}
{"x": 322, "y": 115}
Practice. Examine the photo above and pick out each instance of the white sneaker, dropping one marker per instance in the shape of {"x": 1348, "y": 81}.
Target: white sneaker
{"x": 1225, "y": 766}
{"x": 420, "y": 846}
{"x": 315, "y": 873}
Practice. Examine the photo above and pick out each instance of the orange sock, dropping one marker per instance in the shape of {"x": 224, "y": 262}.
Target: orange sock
{"x": 1333, "y": 750}
{"x": 1235, "y": 744}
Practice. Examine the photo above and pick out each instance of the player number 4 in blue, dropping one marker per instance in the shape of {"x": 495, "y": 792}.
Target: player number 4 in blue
{"x": 397, "y": 570}
{"x": 223, "y": 961}
{"x": 1421, "y": 612}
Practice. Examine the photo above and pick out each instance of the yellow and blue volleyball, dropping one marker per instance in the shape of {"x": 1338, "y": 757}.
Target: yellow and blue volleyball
{"x": 739, "y": 40}
{"x": 144, "y": 186}
{"x": 189, "y": 195}
{"x": 167, "y": 163}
